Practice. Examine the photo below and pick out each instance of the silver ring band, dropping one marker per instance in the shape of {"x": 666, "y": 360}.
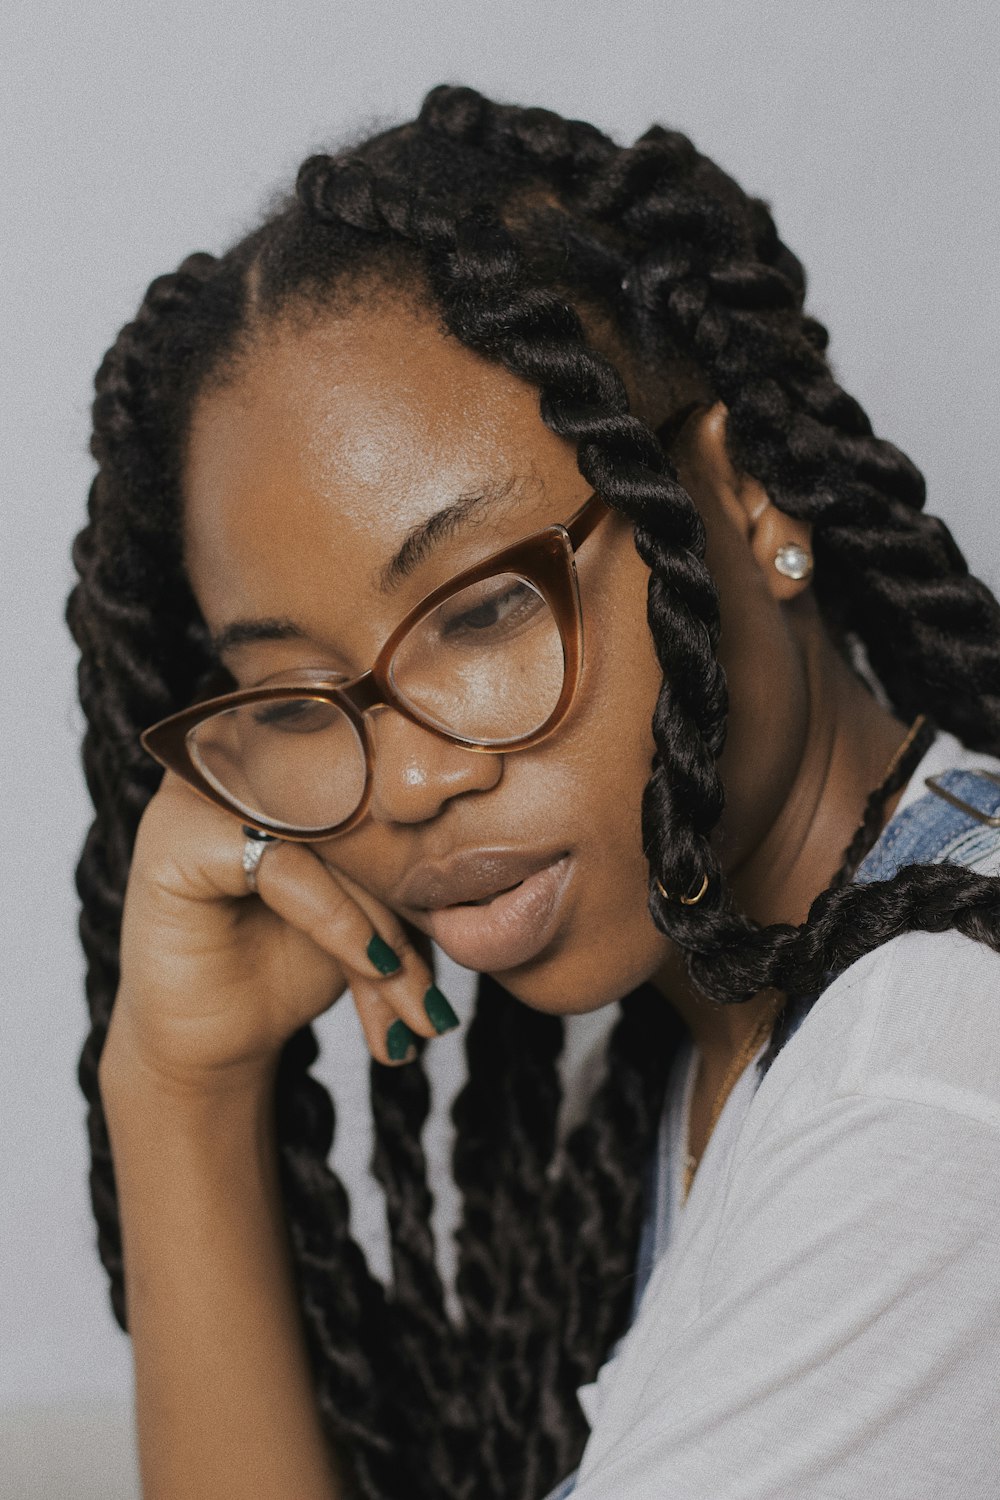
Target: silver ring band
{"x": 254, "y": 845}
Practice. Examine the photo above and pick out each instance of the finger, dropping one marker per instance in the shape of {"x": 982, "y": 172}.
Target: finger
{"x": 390, "y": 1039}
{"x": 298, "y": 888}
{"x": 414, "y": 998}
{"x": 366, "y": 939}
{"x": 411, "y": 989}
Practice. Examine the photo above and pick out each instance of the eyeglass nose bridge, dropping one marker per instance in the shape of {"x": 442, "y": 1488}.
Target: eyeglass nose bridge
{"x": 373, "y": 690}
{"x": 365, "y": 693}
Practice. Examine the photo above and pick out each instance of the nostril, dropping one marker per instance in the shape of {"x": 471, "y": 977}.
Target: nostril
{"x": 415, "y": 772}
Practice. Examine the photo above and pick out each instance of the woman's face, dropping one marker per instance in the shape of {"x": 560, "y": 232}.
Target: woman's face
{"x": 305, "y": 474}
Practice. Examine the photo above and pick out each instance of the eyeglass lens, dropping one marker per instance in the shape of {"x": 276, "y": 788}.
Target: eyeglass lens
{"x": 486, "y": 664}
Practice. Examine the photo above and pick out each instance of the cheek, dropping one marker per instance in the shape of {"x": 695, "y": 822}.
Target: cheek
{"x": 610, "y": 943}
{"x": 621, "y": 682}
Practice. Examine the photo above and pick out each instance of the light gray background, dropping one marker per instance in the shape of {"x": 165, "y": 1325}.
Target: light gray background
{"x": 135, "y": 132}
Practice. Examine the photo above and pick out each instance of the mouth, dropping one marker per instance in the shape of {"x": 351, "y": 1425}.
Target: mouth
{"x": 504, "y": 927}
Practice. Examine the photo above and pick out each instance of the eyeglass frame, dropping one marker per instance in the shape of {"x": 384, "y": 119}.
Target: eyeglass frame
{"x": 544, "y": 560}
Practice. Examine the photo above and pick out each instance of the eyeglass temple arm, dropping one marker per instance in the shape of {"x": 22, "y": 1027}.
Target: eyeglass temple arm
{"x": 579, "y": 527}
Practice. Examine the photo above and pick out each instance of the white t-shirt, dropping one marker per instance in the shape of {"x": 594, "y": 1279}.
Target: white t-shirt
{"x": 823, "y": 1321}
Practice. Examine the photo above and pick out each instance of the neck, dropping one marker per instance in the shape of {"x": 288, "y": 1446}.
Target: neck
{"x": 848, "y": 745}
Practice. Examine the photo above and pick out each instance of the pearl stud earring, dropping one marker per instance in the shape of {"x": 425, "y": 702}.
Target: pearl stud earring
{"x": 793, "y": 561}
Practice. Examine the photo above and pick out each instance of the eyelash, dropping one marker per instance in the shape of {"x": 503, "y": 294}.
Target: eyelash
{"x": 510, "y": 620}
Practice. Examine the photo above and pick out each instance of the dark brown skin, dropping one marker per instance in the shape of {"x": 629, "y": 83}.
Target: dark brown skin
{"x": 305, "y": 471}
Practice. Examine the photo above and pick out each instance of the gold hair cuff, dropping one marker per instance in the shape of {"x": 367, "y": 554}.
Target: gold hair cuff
{"x": 685, "y": 900}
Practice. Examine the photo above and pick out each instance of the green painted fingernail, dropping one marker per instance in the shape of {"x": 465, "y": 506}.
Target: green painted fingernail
{"x": 439, "y": 1012}
{"x": 400, "y": 1042}
{"x": 382, "y": 956}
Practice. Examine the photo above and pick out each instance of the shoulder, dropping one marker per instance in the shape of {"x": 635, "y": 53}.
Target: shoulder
{"x": 916, "y": 1020}
{"x": 949, "y": 813}
{"x": 876, "y": 1133}
{"x": 835, "y": 1278}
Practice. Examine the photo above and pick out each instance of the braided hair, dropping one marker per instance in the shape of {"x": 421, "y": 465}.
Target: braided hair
{"x": 522, "y": 229}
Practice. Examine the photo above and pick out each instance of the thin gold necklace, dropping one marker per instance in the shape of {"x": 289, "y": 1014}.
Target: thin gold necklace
{"x": 739, "y": 1062}
{"x": 766, "y": 1024}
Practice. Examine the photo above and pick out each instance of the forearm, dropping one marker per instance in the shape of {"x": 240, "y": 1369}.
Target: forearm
{"x": 225, "y": 1406}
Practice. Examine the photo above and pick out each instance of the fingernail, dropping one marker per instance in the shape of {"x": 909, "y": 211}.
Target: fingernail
{"x": 382, "y": 956}
{"x": 400, "y": 1042}
{"x": 439, "y": 1012}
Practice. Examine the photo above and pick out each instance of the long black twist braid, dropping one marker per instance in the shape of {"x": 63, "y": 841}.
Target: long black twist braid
{"x": 120, "y": 683}
{"x": 504, "y": 1144}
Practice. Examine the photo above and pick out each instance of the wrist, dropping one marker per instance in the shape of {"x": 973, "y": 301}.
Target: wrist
{"x": 131, "y": 1073}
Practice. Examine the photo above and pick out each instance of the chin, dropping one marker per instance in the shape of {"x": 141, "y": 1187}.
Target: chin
{"x": 576, "y": 983}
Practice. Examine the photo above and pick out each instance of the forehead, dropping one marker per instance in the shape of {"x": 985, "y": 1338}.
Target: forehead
{"x": 333, "y": 440}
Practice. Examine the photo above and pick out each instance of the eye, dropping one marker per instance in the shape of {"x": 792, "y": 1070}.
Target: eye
{"x": 498, "y": 604}
{"x": 294, "y": 715}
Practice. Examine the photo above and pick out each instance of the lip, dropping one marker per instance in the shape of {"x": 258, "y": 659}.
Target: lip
{"x": 470, "y": 875}
{"x": 512, "y": 927}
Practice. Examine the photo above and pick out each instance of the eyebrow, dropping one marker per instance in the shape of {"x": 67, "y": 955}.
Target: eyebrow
{"x": 414, "y": 549}
{"x": 247, "y": 632}
{"x": 441, "y": 525}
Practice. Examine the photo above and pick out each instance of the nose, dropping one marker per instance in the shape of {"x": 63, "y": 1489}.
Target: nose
{"x": 415, "y": 773}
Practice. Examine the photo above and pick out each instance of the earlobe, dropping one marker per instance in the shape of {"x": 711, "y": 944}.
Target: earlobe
{"x": 781, "y": 546}
{"x": 793, "y": 561}
{"x": 782, "y": 549}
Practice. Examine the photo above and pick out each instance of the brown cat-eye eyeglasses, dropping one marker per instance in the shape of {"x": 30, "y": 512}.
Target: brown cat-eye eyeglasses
{"x": 490, "y": 660}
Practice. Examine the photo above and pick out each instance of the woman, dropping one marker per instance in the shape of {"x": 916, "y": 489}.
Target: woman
{"x": 451, "y": 646}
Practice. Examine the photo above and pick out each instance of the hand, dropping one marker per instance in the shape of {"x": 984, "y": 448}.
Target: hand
{"x": 214, "y": 979}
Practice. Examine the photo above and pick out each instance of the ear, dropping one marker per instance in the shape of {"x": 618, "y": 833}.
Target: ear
{"x": 780, "y": 545}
